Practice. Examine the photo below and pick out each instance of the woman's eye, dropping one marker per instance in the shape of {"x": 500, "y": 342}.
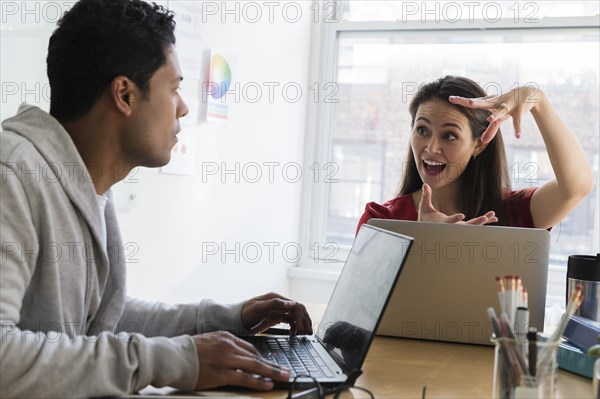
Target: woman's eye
{"x": 421, "y": 130}
{"x": 450, "y": 136}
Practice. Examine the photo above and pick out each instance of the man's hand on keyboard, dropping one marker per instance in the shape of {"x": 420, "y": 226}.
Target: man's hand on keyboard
{"x": 262, "y": 312}
{"x": 225, "y": 359}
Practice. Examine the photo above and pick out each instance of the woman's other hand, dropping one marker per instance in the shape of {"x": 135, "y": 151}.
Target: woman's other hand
{"x": 427, "y": 212}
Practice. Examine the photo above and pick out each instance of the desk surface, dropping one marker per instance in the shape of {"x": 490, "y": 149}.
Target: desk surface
{"x": 398, "y": 368}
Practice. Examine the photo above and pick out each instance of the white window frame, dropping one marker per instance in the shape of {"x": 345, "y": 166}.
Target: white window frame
{"x": 323, "y": 65}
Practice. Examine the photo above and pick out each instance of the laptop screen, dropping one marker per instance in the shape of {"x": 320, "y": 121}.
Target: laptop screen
{"x": 361, "y": 293}
{"x": 458, "y": 263}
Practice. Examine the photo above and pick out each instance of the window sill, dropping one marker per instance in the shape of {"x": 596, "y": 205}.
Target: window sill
{"x": 312, "y": 284}
{"x": 312, "y": 273}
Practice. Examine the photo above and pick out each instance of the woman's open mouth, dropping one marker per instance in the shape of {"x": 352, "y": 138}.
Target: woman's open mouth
{"x": 433, "y": 168}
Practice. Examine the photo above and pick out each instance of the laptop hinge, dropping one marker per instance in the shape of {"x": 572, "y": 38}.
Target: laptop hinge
{"x": 337, "y": 358}
{"x": 352, "y": 376}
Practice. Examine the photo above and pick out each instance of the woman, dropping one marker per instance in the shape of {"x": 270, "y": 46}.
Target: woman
{"x": 457, "y": 170}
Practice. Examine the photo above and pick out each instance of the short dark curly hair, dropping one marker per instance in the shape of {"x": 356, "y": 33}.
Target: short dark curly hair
{"x": 98, "y": 40}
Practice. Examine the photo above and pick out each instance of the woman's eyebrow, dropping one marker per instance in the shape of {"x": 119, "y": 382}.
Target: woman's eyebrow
{"x": 447, "y": 124}
{"x": 452, "y": 124}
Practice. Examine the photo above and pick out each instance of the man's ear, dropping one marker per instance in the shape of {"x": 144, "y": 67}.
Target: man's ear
{"x": 124, "y": 94}
{"x": 479, "y": 147}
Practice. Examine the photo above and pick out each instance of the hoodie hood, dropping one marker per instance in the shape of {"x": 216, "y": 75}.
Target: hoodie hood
{"x": 32, "y": 127}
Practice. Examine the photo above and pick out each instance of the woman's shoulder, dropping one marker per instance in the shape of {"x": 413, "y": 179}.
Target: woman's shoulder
{"x": 518, "y": 195}
{"x": 401, "y": 207}
{"x": 517, "y": 205}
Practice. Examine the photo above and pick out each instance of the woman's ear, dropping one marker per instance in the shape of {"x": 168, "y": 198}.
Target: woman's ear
{"x": 480, "y": 146}
{"x": 124, "y": 94}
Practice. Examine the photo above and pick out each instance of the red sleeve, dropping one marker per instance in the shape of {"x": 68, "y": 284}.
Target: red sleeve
{"x": 368, "y": 214}
{"x": 517, "y": 205}
{"x": 400, "y": 208}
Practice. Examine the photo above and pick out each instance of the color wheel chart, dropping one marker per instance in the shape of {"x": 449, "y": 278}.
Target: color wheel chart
{"x": 217, "y": 109}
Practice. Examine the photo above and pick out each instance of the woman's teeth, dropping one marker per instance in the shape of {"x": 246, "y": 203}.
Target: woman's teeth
{"x": 433, "y": 163}
{"x": 433, "y": 167}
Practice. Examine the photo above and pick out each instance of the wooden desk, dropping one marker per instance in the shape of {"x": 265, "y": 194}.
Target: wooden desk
{"x": 398, "y": 368}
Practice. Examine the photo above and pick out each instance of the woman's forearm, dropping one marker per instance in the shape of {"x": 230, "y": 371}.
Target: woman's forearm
{"x": 569, "y": 162}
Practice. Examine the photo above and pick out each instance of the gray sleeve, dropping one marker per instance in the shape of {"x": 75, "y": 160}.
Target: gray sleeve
{"x": 56, "y": 364}
{"x": 158, "y": 319}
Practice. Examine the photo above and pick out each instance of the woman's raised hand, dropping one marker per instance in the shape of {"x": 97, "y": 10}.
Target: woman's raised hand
{"x": 515, "y": 104}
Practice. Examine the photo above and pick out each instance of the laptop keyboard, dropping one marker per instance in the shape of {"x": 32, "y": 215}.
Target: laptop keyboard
{"x": 295, "y": 353}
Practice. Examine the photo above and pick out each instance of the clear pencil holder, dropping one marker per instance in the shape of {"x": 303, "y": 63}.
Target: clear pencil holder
{"x": 513, "y": 376}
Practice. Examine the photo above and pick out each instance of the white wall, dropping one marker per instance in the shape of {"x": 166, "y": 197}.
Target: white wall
{"x": 24, "y": 42}
{"x": 173, "y": 216}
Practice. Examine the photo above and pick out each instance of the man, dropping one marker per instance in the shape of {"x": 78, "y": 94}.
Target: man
{"x": 67, "y": 327}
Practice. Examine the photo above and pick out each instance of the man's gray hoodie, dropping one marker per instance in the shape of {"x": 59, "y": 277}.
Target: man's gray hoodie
{"x": 67, "y": 327}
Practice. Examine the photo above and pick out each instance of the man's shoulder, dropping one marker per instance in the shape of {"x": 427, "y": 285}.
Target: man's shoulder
{"x": 30, "y": 129}
{"x": 16, "y": 148}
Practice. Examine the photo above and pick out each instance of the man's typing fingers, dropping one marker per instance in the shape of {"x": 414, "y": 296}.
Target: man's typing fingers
{"x": 300, "y": 321}
{"x": 264, "y": 311}
{"x": 247, "y": 380}
{"x": 224, "y": 359}
{"x": 258, "y": 366}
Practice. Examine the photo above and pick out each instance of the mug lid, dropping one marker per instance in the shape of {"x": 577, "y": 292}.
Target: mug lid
{"x": 584, "y": 267}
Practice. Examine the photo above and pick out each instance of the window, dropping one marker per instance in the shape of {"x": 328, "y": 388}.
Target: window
{"x": 378, "y": 65}
{"x": 454, "y": 11}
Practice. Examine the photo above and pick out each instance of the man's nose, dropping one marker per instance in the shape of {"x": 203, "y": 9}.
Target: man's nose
{"x": 182, "y": 108}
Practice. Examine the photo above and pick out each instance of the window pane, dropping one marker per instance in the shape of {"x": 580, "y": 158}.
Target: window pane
{"x": 454, "y": 11}
{"x": 360, "y": 163}
{"x": 379, "y": 74}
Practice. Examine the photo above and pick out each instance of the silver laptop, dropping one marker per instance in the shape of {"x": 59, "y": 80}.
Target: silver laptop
{"x": 336, "y": 352}
{"x": 448, "y": 281}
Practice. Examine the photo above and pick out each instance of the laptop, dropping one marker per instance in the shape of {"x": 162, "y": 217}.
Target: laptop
{"x": 335, "y": 354}
{"x": 448, "y": 281}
